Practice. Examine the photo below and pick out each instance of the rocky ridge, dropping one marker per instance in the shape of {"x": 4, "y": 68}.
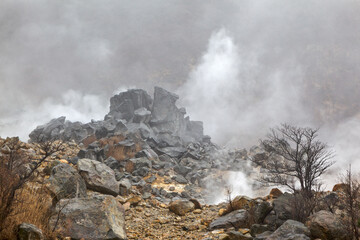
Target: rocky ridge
{"x": 144, "y": 173}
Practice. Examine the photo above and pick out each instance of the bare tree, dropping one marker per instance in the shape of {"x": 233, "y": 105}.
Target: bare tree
{"x": 299, "y": 159}
{"x": 16, "y": 169}
{"x": 351, "y": 203}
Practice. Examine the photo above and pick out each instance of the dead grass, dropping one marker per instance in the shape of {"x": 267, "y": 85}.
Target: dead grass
{"x": 33, "y": 206}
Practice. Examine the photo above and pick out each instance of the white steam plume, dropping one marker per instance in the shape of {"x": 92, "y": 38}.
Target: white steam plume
{"x": 236, "y": 102}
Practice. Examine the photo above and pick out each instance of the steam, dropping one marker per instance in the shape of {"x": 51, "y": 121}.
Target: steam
{"x": 238, "y": 104}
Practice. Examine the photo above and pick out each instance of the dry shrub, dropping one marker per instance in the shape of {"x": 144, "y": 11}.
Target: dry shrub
{"x": 120, "y": 152}
{"x": 33, "y": 206}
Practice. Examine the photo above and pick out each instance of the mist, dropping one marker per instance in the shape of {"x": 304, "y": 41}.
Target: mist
{"x": 238, "y": 66}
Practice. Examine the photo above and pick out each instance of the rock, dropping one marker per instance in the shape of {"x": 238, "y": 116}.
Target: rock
{"x": 65, "y": 182}
{"x": 180, "y": 179}
{"x": 234, "y": 235}
{"x": 257, "y": 229}
{"x": 137, "y": 163}
{"x": 48, "y": 131}
{"x": 261, "y": 211}
{"x": 148, "y": 153}
{"x": 241, "y": 202}
{"x": 283, "y": 206}
{"x": 141, "y": 115}
{"x": 125, "y": 187}
{"x": 28, "y": 231}
{"x": 124, "y": 104}
{"x": 174, "y": 152}
{"x": 112, "y": 163}
{"x": 183, "y": 170}
{"x": 263, "y": 236}
{"x": 326, "y": 225}
{"x": 181, "y": 207}
{"x": 151, "y": 179}
{"x": 98, "y": 177}
{"x": 237, "y": 219}
{"x": 99, "y": 217}
{"x": 291, "y": 230}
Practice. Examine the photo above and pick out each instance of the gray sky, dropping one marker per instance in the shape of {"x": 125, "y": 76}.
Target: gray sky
{"x": 270, "y": 60}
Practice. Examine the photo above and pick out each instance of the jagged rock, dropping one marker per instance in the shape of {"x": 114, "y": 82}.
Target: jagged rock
{"x": 283, "y": 206}
{"x": 148, "y": 153}
{"x": 261, "y": 211}
{"x": 65, "y": 182}
{"x": 125, "y": 187}
{"x": 27, "y": 231}
{"x": 141, "y": 115}
{"x": 99, "y": 217}
{"x": 48, "y": 131}
{"x": 174, "y": 152}
{"x": 112, "y": 163}
{"x": 183, "y": 170}
{"x": 98, "y": 177}
{"x": 181, "y": 207}
{"x": 180, "y": 179}
{"x": 143, "y": 171}
{"x": 124, "y": 104}
{"x": 137, "y": 163}
{"x": 291, "y": 230}
{"x": 326, "y": 225}
{"x": 257, "y": 229}
{"x": 237, "y": 219}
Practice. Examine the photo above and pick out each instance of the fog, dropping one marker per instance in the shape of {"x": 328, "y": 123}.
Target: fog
{"x": 239, "y": 66}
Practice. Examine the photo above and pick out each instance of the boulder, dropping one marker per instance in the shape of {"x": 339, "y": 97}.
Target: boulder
{"x": 124, "y": 104}
{"x": 262, "y": 209}
{"x": 98, "y": 177}
{"x": 48, "y": 131}
{"x": 180, "y": 179}
{"x": 141, "y": 115}
{"x": 291, "y": 230}
{"x": 125, "y": 187}
{"x": 137, "y": 163}
{"x": 66, "y": 182}
{"x": 181, "y": 207}
{"x": 27, "y": 231}
{"x": 283, "y": 206}
{"x": 99, "y": 217}
{"x": 326, "y": 225}
{"x": 257, "y": 229}
{"x": 237, "y": 219}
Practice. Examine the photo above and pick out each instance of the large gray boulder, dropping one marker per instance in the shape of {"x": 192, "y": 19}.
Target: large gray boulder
{"x": 237, "y": 219}
{"x": 124, "y": 105}
{"x": 291, "y": 230}
{"x": 48, "y": 131}
{"x": 167, "y": 117}
{"x": 283, "y": 206}
{"x": 98, "y": 177}
{"x": 98, "y": 218}
{"x": 27, "y": 231}
{"x": 326, "y": 225}
{"x": 66, "y": 182}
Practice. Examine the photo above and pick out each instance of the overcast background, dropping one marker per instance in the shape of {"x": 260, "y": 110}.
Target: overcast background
{"x": 240, "y": 66}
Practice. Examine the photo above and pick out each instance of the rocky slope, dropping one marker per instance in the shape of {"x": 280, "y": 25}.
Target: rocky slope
{"x": 147, "y": 172}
